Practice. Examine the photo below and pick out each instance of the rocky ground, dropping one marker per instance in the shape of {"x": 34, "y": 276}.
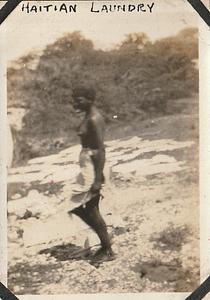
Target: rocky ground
{"x": 150, "y": 204}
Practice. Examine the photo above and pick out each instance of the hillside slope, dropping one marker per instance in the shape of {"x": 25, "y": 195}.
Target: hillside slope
{"x": 139, "y": 80}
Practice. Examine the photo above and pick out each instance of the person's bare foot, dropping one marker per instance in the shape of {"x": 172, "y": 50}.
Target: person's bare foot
{"x": 102, "y": 255}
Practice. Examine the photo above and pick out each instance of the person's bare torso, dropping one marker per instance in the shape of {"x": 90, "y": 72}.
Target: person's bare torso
{"x": 91, "y": 130}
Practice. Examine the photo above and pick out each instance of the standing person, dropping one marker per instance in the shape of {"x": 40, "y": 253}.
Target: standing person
{"x": 92, "y": 160}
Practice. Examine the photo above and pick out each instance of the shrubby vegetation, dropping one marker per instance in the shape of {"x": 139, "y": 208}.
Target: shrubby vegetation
{"x": 138, "y": 79}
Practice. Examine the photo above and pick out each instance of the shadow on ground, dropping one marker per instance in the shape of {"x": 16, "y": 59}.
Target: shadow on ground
{"x": 68, "y": 252}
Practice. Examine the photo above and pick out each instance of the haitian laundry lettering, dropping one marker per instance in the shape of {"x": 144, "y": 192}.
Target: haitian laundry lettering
{"x": 97, "y": 7}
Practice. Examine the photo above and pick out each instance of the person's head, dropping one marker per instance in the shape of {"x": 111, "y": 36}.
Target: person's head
{"x": 83, "y": 98}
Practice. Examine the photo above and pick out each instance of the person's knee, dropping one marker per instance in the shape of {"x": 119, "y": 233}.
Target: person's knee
{"x": 94, "y": 202}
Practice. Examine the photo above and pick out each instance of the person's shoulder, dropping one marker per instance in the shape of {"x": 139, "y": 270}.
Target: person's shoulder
{"x": 96, "y": 118}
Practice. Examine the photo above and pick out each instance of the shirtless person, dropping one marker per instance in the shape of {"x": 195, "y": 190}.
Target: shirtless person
{"x": 91, "y": 132}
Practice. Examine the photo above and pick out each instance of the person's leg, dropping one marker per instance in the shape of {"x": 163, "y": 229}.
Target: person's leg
{"x": 98, "y": 224}
{"x": 90, "y": 214}
{"x": 81, "y": 213}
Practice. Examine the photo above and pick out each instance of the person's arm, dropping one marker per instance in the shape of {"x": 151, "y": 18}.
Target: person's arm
{"x": 98, "y": 154}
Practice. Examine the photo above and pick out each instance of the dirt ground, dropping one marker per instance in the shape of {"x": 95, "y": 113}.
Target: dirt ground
{"x": 150, "y": 205}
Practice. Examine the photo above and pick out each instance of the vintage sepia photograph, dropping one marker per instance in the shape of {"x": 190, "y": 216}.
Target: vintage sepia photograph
{"x": 103, "y": 139}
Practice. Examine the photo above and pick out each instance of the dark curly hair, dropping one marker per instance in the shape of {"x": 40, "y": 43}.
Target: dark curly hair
{"x": 83, "y": 91}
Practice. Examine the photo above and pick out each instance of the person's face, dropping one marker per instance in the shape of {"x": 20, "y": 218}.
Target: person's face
{"x": 81, "y": 103}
